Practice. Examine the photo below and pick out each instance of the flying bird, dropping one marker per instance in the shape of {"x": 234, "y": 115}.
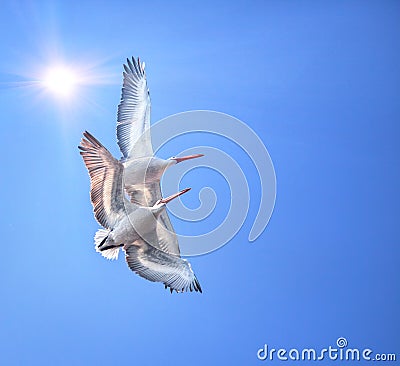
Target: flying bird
{"x": 142, "y": 170}
{"x": 152, "y": 250}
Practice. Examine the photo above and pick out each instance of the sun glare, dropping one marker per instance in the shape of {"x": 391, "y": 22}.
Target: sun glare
{"x": 60, "y": 81}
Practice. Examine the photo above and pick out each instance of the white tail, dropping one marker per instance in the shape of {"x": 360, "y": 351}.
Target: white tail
{"x": 100, "y": 236}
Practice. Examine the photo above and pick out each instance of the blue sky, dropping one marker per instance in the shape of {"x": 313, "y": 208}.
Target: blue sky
{"x": 319, "y": 82}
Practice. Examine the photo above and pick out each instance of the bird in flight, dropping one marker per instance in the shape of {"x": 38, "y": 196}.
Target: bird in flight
{"x": 142, "y": 170}
{"x": 150, "y": 248}
{"x": 139, "y": 225}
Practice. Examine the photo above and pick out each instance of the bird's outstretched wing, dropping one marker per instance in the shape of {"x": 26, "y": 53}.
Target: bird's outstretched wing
{"x": 147, "y": 195}
{"x": 157, "y": 266}
{"x": 133, "y": 134}
{"x": 106, "y": 187}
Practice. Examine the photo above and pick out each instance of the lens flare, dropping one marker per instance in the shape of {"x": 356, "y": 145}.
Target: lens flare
{"x": 60, "y": 81}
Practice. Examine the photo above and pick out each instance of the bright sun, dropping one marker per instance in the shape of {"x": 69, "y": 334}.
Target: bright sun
{"x": 60, "y": 81}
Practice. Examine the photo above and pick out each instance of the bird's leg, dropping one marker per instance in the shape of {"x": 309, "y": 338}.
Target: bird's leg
{"x": 111, "y": 247}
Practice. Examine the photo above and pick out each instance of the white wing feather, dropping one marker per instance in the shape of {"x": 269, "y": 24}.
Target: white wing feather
{"x": 133, "y": 122}
{"x": 157, "y": 266}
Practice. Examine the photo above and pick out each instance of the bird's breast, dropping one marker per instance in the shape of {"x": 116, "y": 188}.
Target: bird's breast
{"x": 143, "y": 170}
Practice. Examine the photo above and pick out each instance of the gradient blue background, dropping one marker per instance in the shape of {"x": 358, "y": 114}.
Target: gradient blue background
{"x": 318, "y": 81}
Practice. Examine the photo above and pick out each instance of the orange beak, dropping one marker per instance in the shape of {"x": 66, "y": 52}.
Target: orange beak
{"x": 188, "y": 157}
{"x": 170, "y": 198}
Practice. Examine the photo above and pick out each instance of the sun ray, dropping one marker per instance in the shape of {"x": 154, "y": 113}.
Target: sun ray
{"x": 60, "y": 81}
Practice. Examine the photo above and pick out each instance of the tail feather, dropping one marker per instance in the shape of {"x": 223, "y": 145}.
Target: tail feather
{"x": 99, "y": 239}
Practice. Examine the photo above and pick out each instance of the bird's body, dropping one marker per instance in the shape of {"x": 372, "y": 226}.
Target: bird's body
{"x": 144, "y": 170}
{"x": 142, "y": 176}
{"x": 138, "y": 222}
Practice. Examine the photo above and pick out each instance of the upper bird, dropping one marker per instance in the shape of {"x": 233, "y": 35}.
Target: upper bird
{"x": 142, "y": 171}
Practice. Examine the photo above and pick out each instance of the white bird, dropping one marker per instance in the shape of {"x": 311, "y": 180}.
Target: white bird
{"x": 142, "y": 171}
{"x": 152, "y": 251}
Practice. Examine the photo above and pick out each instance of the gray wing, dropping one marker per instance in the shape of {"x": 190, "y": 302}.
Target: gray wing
{"x": 133, "y": 134}
{"x": 168, "y": 240}
{"x": 157, "y": 266}
{"x": 106, "y": 188}
{"x": 147, "y": 195}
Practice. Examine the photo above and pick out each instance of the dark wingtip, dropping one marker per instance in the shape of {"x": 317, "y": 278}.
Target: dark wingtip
{"x": 92, "y": 139}
{"x": 87, "y": 134}
{"x": 130, "y": 65}
{"x": 198, "y": 285}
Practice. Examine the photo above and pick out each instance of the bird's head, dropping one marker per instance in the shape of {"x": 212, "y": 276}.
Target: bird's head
{"x": 160, "y": 204}
{"x": 175, "y": 159}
